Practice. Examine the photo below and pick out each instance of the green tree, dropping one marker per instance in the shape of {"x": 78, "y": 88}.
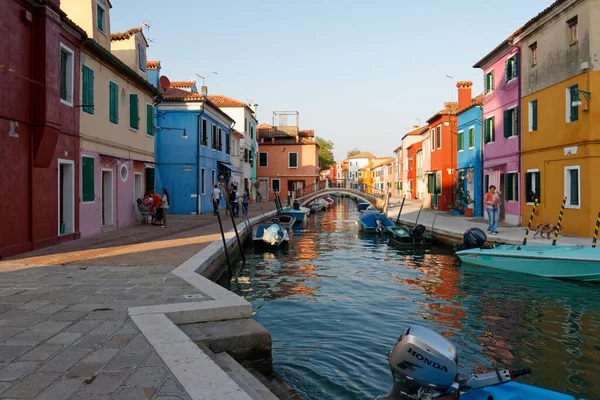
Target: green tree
{"x": 353, "y": 152}
{"x": 325, "y": 153}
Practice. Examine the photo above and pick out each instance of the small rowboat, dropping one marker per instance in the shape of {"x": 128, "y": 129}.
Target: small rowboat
{"x": 404, "y": 236}
{"x": 300, "y": 214}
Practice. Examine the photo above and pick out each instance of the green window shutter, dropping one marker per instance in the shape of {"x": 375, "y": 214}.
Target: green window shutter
{"x": 134, "y": 121}
{"x": 529, "y": 193}
{"x": 488, "y": 131}
{"x": 508, "y": 123}
{"x": 471, "y": 137}
{"x": 100, "y": 14}
{"x": 507, "y": 70}
{"x": 574, "y": 187}
{"x": 534, "y": 115}
{"x": 114, "y": 102}
{"x": 516, "y": 120}
{"x": 515, "y": 68}
{"x": 574, "y": 109}
{"x": 87, "y": 188}
{"x": 88, "y": 90}
{"x": 509, "y": 187}
{"x": 493, "y": 129}
{"x": 63, "y": 75}
{"x": 538, "y": 187}
{"x": 149, "y": 120}
{"x": 460, "y": 139}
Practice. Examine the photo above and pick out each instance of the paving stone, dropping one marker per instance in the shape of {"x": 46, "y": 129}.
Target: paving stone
{"x": 62, "y": 389}
{"x": 70, "y": 299}
{"x": 63, "y": 361}
{"x": 107, "y": 328}
{"x": 31, "y": 386}
{"x": 126, "y": 362}
{"x": 147, "y": 377}
{"x": 5, "y": 307}
{"x": 134, "y": 393}
{"x": 84, "y": 326}
{"x": 65, "y": 338}
{"x": 67, "y": 316}
{"x": 90, "y": 341}
{"x": 128, "y": 329}
{"x": 34, "y": 305}
{"x": 103, "y": 355}
{"x": 8, "y": 354}
{"x": 50, "y": 309}
{"x": 84, "y": 307}
{"x": 50, "y": 327}
{"x": 139, "y": 345}
{"x": 9, "y": 331}
{"x": 105, "y": 383}
{"x": 17, "y": 370}
{"x": 21, "y": 320}
{"x": 41, "y": 353}
{"x": 84, "y": 370}
{"x": 172, "y": 388}
{"x": 118, "y": 341}
{"x": 4, "y": 386}
{"x": 26, "y": 339}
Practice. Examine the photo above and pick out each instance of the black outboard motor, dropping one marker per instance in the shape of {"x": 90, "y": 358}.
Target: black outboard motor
{"x": 473, "y": 238}
{"x": 417, "y": 233}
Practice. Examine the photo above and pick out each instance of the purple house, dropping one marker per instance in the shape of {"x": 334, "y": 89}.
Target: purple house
{"x": 501, "y": 122}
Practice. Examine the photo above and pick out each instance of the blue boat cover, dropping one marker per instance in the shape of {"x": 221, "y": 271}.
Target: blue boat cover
{"x": 369, "y": 217}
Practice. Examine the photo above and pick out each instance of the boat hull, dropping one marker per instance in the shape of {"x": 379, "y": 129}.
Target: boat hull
{"x": 513, "y": 391}
{"x": 562, "y": 262}
{"x": 362, "y": 206}
{"x": 401, "y": 236}
{"x": 299, "y": 214}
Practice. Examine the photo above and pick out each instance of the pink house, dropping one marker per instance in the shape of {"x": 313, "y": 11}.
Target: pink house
{"x": 501, "y": 116}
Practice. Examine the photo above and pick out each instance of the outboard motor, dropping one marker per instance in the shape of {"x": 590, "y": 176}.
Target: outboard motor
{"x": 473, "y": 238}
{"x": 380, "y": 228}
{"x": 417, "y": 233}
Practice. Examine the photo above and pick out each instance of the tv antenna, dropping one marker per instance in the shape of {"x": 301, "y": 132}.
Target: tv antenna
{"x": 201, "y": 77}
{"x": 147, "y": 25}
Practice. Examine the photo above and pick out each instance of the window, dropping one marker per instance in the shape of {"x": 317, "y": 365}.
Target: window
{"x": 141, "y": 56}
{"x": 220, "y": 140}
{"x": 438, "y": 136}
{"x": 275, "y": 185}
{"x": 214, "y": 177}
{"x": 252, "y": 130}
{"x": 410, "y": 185}
{"x": 251, "y": 157}
{"x": 434, "y": 183}
{"x": 512, "y": 186}
{"x": 293, "y": 160}
{"x": 204, "y": 133}
{"x": 213, "y": 137}
{"x": 438, "y": 182}
{"x": 533, "y": 53}
{"x": 511, "y": 70}
{"x": 134, "y": 111}
{"x": 87, "y": 180}
{"x": 149, "y": 120}
{"x": 124, "y": 172}
{"x": 66, "y": 75}
{"x": 113, "y": 101}
{"x": 572, "y": 24}
{"x": 489, "y": 82}
{"x": 490, "y": 130}
{"x": 87, "y": 89}
{"x": 432, "y": 135}
{"x": 149, "y": 178}
{"x": 532, "y": 186}
{"x": 511, "y": 122}
{"x": 461, "y": 140}
{"x": 246, "y": 155}
{"x": 227, "y": 143}
{"x": 487, "y": 183}
{"x": 100, "y": 13}
{"x": 572, "y": 191}
{"x": 263, "y": 160}
{"x": 203, "y": 180}
{"x": 472, "y": 138}
{"x": 572, "y": 111}
{"x": 533, "y": 115}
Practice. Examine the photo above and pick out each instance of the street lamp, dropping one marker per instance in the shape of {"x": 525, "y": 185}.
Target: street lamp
{"x": 576, "y": 100}
{"x": 160, "y": 128}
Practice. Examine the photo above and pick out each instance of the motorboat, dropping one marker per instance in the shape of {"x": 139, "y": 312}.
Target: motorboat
{"x": 404, "y": 236}
{"x": 362, "y": 205}
{"x": 374, "y": 222}
{"x": 424, "y": 365}
{"x": 285, "y": 220}
{"x": 300, "y": 214}
{"x": 271, "y": 234}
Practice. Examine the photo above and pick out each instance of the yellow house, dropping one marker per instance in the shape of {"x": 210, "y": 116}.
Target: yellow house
{"x": 560, "y": 142}
{"x": 116, "y": 119}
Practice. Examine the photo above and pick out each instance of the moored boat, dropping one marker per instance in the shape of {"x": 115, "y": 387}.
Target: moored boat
{"x": 404, "y": 236}
{"x": 285, "y": 220}
{"x": 564, "y": 262}
{"x": 374, "y": 222}
{"x": 270, "y": 234}
{"x": 362, "y": 205}
{"x": 300, "y": 214}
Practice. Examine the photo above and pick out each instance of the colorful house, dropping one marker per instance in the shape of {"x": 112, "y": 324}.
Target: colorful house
{"x": 501, "y": 127}
{"x": 39, "y": 121}
{"x": 469, "y": 166}
{"x": 355, "y": 163}
{"x": 426, "y": 140}
{"x": 288, "y": 160}
{"x": 397, "y": 192}
{"x": 193, "y": 149}
{"x": 560, "y": 140}
{"x": 411, "y": 185}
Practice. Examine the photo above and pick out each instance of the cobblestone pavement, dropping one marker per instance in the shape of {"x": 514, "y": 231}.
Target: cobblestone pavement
{"x": 64, "y": 328}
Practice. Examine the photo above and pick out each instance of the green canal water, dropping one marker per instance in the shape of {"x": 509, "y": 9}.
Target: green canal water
{"x": 336, "y": 301}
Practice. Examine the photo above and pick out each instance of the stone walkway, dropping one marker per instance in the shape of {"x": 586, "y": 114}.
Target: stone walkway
{"x": 64, "y": 328}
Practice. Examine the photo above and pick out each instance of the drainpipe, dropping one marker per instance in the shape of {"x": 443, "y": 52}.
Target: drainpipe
{"x": 198, "y": 194}
{"x": 520, "y": 108}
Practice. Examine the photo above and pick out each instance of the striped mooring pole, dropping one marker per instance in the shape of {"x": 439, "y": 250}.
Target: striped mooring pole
{"x": 535, "y": 204}
{"x": 559, "y": 223}
{"x": 596, "y": 230}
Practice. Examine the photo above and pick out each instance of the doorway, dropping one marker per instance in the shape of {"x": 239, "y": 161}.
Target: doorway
{"x": 107, "y": 197}
{"x": 66, "y": 197}
{"x": 264, "y": 188}
{"x": 138, "y": 188}
{"x": 503, "y": 206}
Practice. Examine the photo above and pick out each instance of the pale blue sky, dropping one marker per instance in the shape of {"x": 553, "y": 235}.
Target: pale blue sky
{"x": 359, "y": 73}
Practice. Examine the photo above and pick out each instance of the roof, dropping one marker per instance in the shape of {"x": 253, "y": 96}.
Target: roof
{"x": 449, "y": 109}
{"x": 224, "y": 101}
{"x": 182, "y": 84}
{"x": 263, "y": 126}
{"x": 153, "y": 65}
{"x": 382, "y": 161}
{"x": 173, "y": 93}
{"x": 477, "y": 101}
{"x": 124, "y": 35}
{"x": 364, "y": 154}
{"x": 507, "y": 42}
{"x": 416, "y": 132}
{"x": 237, "y": 134}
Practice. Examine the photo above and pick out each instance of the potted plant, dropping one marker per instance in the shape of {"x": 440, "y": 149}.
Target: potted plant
{"x": 459, "y": 203}
{"x": 466, "y": 200}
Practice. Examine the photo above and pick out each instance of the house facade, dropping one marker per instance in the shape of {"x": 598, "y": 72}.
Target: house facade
{"x": 237, "y": 160}
{"x": 413, "y": 171}
{"x": 501, "y": 127}
{"x": 560, "y": 141}
{"x": 397, "y": 186}
{"x": 193, "y": 149}
{"x": 355, "y": 163}
{"x": 288, "y": 161}
{"x": 469, "y": 166}
{"x": 408, "y": 141}
{"x": 39, "y": 120}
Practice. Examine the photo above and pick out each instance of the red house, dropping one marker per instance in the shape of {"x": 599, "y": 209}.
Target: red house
{"x": 443, "y": 125}
{"x": 39, "y": 121}
{"x": 412, "y": 183}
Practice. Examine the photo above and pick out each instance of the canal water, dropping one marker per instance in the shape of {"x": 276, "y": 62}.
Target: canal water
{"x": 336, "y": 301}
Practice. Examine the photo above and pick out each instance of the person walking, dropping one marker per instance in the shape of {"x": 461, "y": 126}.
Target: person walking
{"x": 245, "y": 201}
{"x": 492, "y": 202}
{"x": 233, "y": 204}
{"x": 164, "y": 206}
{"x": 216, "y": 198}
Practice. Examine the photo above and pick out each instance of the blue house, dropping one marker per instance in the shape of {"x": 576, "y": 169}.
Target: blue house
{"x": 193, "y": 148}
{"x": 469, "y": 164}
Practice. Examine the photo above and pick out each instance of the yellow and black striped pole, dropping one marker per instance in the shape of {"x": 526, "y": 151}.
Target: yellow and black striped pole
{"x": 535, "y": 204}
{"x": 559, "y": 223}
{"x": 596, "y": 230}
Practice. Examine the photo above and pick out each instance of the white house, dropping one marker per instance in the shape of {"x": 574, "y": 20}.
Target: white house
{"x": 355, "y": 163}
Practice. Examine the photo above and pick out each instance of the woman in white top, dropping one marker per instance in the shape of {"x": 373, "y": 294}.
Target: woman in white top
{"x": 164, "y": 206}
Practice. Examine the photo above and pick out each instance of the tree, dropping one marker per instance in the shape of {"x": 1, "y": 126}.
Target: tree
{"x": 353, "y": 152}
{"x": 326, "y": 159}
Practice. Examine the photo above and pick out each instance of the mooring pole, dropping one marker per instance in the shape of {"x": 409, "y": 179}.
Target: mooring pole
{"x": 596, "y": 230}
{"x": 535, "y": 204}
{"x": 400, "y": 212}
{"x": 224, "y": 243}
{"x": 418, "y": 215}
{"x": 559, "y": 223}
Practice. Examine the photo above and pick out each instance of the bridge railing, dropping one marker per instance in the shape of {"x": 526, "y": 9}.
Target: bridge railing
{"x": 340, "y": 184}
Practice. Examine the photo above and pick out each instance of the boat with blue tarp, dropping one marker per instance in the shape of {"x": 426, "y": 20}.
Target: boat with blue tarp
{"x": 374, "y": 222}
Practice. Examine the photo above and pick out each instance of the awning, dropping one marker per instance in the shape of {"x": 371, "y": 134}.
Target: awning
{"x": 231, "y": 168}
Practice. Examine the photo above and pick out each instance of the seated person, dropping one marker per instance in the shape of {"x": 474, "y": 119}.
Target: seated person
{"x": 145, "y": 209}
{"x": 296, "y": 205}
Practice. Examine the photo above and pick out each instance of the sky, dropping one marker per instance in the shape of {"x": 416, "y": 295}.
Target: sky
{"x": 359, "y": 73}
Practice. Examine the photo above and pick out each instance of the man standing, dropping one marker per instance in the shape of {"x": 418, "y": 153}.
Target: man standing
{"x": 216, "y": 198}
{"x": 233, "y": 202}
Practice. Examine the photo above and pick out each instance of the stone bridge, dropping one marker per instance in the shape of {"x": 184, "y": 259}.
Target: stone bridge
{"x": 377, "y": 201}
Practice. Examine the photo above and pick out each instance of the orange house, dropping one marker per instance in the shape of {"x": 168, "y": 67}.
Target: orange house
{"x": 412, "y": 183}
{"x": 287, "y": 161}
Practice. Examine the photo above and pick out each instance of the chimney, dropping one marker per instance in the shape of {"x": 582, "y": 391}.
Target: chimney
{"x": 415, "y": 126}
{"x": 205, "y": 90}
{"x": 464, "y": 93}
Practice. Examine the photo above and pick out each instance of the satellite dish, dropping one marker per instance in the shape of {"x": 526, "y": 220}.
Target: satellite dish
{"x": 164, "y": 82}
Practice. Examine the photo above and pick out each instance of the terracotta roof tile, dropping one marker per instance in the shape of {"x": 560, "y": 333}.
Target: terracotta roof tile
{"x": 124, "y": 35}
{"x": 419, "y": 131}
{"x": 183, "y": 84}
{"x": 224, "y": 101}
{"x": 364, "y": 154}
{"x": 153, "y": 65}
{"x": 174, "y": 93}
{"x": 263, "y": 126}
{"x": 382, "y": 161}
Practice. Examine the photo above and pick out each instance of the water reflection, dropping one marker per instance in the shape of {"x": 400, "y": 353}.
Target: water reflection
{"x": 335, "y": 302}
